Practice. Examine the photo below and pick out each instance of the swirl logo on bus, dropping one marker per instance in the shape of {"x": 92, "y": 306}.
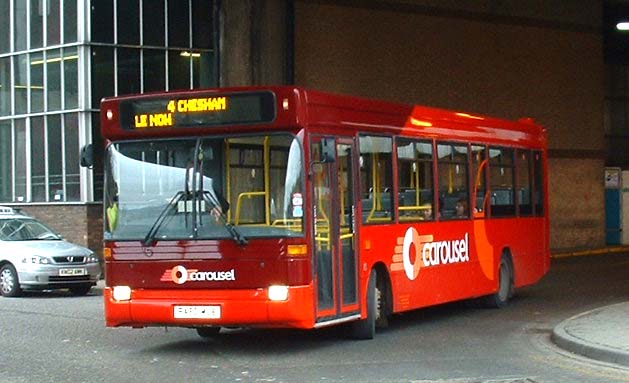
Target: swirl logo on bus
{"x": 180, "y": 275}
{"x": 428, "y": 252}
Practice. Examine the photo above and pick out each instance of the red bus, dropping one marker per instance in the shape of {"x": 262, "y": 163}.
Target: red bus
{"x": 288, "y": 207}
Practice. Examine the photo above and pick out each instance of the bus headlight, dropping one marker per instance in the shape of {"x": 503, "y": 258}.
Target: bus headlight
{"x": 278, "y": 293}
{"x": 122, "y": 293}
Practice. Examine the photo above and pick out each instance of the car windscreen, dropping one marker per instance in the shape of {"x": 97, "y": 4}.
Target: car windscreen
{"x": 24, "y": 229}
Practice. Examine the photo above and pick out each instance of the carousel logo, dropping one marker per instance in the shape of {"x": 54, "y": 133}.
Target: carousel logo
{"x": 180, "y": 275}
{"x": 432, "y": 252}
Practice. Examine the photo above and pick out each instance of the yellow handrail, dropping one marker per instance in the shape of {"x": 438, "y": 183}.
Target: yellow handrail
{"x": 241, "y": 196}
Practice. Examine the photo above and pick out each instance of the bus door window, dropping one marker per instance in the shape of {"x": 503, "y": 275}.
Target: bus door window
{"x": 334, "y": 208}
{"x": 347, "y": 233}
{"x": 501, "y": 167}
{"x": 480, "y": 193}
{"x": 524, "y": 168}
{"x": 376, "y": 178}
{"x": 453, "y": 181}
{"x": 415, "y": 180}
{"x": 322, "y": 209}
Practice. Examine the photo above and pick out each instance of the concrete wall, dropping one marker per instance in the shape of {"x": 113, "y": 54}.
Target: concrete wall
{"x": 509, "y": 59}
{"x": 253, "y": 42}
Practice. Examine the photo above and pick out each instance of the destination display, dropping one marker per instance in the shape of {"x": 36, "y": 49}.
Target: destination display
{"x": 200, "y": 110}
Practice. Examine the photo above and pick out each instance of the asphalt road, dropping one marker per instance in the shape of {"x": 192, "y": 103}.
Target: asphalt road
{"x": 53, "y": 337}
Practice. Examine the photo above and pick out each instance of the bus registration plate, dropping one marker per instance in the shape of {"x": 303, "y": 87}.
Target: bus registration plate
{"x": 197, "y": 312}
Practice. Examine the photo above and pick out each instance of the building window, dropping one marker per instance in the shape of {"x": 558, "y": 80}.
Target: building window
{"x": 128, "y": 22}
{"x": 6, "y": 163}
{"x": 70, "y": 71}
{"x": 53, "y": 22}
{"x": 103, "y": 21}
{"x": 69, "y": 21}
{"x": 36, "y": 87}
{"x": 102, "y": 74}
{"x": 53, "y": 79}
{"x": 154, "y": 31}
{"x": 19, "y": 25}
{"x": 5, "y": 25}
{"x": 37, "y": 23}
{"x": 5, "y": 86}
{"x": 38, "y": 160}
{"x": 154, "y": 68}
{"x": 72, "y": 191}
{"x": 19, "y": 155}
{"x": 128, "y": 71}
{"x": 48, "y": 108}
{"x": 54, "y": 158}
{"x": 20, "y": 79}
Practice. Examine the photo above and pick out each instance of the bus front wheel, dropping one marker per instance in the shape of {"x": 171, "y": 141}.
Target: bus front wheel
{"x": 208, "y": 332}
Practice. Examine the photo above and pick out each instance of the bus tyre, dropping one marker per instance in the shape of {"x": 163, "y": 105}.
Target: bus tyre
{"x": 366, "y": 328}
{"x": 9, "y": 281}
{"x": 505, "y": 285}
{"x": 208, "y": 332}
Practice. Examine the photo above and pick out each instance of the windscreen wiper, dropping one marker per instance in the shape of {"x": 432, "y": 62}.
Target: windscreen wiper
{"x": 150, "y": 236}
{"x": 233, "y": 231}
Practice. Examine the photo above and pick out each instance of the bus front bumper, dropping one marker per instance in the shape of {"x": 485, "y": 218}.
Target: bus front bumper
{"x": 236, "y": 308}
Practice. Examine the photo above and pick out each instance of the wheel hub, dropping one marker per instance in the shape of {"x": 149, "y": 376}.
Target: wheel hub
{"x": 6, "y": 281}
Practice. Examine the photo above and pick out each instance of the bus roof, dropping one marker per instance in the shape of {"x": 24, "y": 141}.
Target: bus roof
{"x": 297, "y": 107}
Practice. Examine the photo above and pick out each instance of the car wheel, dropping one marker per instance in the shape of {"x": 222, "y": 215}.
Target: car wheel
{"x": 9, "y": 282}
{"x": 80, "y": 290}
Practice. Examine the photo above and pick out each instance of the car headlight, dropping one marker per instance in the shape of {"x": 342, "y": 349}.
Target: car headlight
{"x": 92, "y": 258}
{"x": 36, "y": 260}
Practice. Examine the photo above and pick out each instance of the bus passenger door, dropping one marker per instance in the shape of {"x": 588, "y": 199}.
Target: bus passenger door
{"x": 335, "y": 236}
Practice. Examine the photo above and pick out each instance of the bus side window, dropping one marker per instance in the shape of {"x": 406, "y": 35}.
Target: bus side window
{"x": 480, "y": 192}
{"x": 415, "y": 180}
{"x": 453, "y": 181}
{"x": 376, "y": 178}
{"x": 501, "y": 167}
{"x": 538, "y": 183}
{"x": 525, "y": 189}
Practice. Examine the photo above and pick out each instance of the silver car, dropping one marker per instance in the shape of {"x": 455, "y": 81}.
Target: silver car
{"x": 33, "y": 257}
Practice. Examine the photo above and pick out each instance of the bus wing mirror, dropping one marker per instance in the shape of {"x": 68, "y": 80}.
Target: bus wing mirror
{"x": 87, "y": 156}
{"x": 328, "y": 151}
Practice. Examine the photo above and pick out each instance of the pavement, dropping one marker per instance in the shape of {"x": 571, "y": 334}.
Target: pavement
{"x": 601, "y": 334}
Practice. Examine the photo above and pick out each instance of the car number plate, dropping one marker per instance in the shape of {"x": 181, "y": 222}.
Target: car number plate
{"x": 197, "y": 312}
{"x": 72, "y": 272}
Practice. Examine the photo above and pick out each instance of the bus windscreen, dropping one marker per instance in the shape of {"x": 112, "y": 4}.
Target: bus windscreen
{"x": 201, "y": 110}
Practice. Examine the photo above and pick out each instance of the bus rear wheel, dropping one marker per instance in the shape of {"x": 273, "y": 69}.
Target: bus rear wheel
{"x": 505, "y": 285}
